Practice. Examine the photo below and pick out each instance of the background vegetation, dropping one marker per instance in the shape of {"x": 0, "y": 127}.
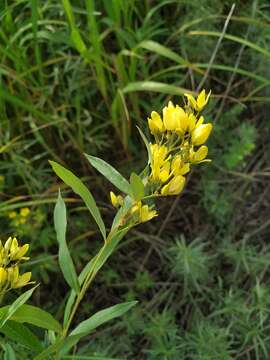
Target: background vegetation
{"x": 78, "y": 77}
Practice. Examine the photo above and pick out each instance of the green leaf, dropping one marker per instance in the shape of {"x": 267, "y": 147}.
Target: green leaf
{"x": 146, "y": 142}
{"x": 162, "y": 50}
{"x": 72, "y": 294}
{"x": 110, "y": 173}
{"x": 9, "y": 353}
{"x": 136, "y": 186}
{"x": 99, "y": 318}
{"x": 87, "y": 357}
{"x": 79, "y": 188}
{"x": 154, "y": 86}
{"x": 21, "y": 334}
{"x": 49, "y": 350}
{"x": 36, "y": 316}
{"x": 15, "y": 306}
{"x": 65, "y": 260}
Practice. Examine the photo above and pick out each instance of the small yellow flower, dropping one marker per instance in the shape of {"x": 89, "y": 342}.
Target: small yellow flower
{"x": 3, "y": 277}
{"x": 23, "y": 280}
{"x": 116, "y": 200}
{"x": 25, "y": 212}
{"x": 146, "y": 214}
{"x": 201, "y": 101}
{"x": 179, "y": 167}
{"x": 155, "y": 123}
{"x": 174, "y": 186}
{"x": 175, "y": 118}
{"x": 201, "y": 133}
{"x": 143, "y": 212}
{"x": 199, "y": 155}
{"x": 12, "y": 214}
{"x": 160, "y": 165}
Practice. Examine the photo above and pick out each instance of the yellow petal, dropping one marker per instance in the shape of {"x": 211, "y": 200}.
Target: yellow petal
{"x": 21, "y": 252}
{"x": 191, "y": 101}
{"x": 155, "y": 123}
{"x": 3, "y": 276}
{"x": 201, "y": 133}
{"x": 114, "y": 200}
{"x": 22, "y": 280}
{"x": 170, "y": 117}
{"x": 147, "y": 214}
{"x": 200, "y": 154}
{"x": 174, "y": 187}
{"x": 202, "y": 100}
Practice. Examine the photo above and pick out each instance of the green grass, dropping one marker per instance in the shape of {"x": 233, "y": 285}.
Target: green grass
{"x": 79, "y": 76}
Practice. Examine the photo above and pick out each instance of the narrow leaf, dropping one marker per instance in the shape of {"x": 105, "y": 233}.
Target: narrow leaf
{"x": 65, "y": 260}
{"x": 9, "y": 352}
{"x": 162, "y": 50}
{"x": 22, "y": 335}
{"x": 36, "y": 316}
{"x": 110, "y": 173}
{"x": 146, "y": 142}
{"x": 16, "y": 305}
{"x": 79, "y": 188}
{"x": 136, "y": 186}
{"x": 99, "y": 318}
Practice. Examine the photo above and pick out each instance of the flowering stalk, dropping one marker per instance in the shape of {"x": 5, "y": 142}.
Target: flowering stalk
{"x": 179, "y": 136}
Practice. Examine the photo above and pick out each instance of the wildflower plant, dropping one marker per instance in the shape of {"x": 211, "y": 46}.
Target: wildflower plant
{"x": 178, "y": 143}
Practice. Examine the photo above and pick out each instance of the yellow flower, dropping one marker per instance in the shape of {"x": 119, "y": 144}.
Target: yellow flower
{"x": 179, "y": 167}
{"x": 199, "y": 155}
{"x": 201, "y": 133}
{"x": 201, "y": 101}
{"x": 143, "y": 212}
{"x": 3, "y": 277}
{"x": 12, "y": 214}
{"x": 25, "y": 212}
{"x": 146, "y": 214}
{"x": 174, "y": 186}
{"x": 16, "y": 280}
{"x": 160, "y": 165}
{"x": 12, "y": 252}
{"x": 116, "y": 200}
{"x": 175, "y": 118}
{"x": 23, "y": 280}
{"x": 155, "y": 123}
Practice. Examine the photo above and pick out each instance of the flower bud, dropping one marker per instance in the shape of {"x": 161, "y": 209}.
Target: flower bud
{"x": 200, "y": 134}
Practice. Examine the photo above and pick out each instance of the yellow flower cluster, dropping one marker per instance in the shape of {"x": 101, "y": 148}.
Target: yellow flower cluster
{"x": 139, "y": 212}
{"x": 19, "y": 218}
{"x": 11, "y": 254}
{"x": 179, "y": 134}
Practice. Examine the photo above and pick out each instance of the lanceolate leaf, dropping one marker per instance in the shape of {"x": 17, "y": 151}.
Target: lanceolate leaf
{"x": 146, "y": 144}
{"x": 36, "y": 316}
{"x": 99, "y": 318}
{"x": 110, "y": 173}
{"x": 22, "y": 335}
{"x": 65, "y": 260}
{"x": 79, "y": 188}
{"x": 10, "y": 311}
